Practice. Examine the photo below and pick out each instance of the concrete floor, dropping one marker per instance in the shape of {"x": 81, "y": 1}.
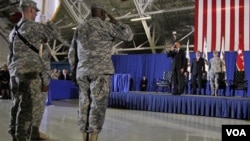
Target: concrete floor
{"x": 60, "y": 122}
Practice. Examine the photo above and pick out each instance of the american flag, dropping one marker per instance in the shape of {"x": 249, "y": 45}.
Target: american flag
{"x": 215, "y": 19}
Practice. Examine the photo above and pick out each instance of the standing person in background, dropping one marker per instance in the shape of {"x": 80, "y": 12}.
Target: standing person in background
{"x": 94, "y": 39}
{"x": 54, "y": 74}
{"x": 64, "y": 75}
{"x": 178, "y": 67}
{"x": 5, "y": 82}
{"x": 29, "y": 72}
{"x": 197, "y": 70}
{"x": 144, "y": 83}
{"x": 215, "y": 66}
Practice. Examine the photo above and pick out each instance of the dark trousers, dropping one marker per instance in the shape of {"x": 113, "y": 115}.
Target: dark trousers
{"x": 143, "y": 88}
{"x": 178, "y": 82}
{"x": 196, "y": 82}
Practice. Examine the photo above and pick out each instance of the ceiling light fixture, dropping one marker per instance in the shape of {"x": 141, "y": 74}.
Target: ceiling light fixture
{"x": 141, "y": 18}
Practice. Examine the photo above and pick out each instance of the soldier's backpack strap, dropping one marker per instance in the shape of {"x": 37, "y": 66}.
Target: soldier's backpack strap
{"x": 75, "y": 46}
{"x": 12, "y": 41}
{"x": 24, "y": 40}
{"x": 76, "y": 57}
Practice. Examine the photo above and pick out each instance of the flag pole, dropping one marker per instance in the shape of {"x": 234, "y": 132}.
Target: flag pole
{"x": 222, "y": 56}
{"x": 188, "y": 60}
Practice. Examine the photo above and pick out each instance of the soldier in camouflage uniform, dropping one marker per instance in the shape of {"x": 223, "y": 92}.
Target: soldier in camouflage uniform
{"x": 40, "y": 99}
{"x": 29, "y": 72}
{"x": 215, "y": 66}
{"x": 94, "y": 42}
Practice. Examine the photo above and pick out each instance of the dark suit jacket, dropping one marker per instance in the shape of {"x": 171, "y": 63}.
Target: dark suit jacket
{"x": 197, "y": 67}
{"x": 178, "y": 59}
{"x": 144, "y": 84}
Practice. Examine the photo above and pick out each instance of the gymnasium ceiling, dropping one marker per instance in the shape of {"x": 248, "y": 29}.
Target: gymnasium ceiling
{"x": 150, "y": 36}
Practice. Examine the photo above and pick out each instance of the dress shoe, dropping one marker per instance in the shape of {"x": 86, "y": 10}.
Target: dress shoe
{"x": 174, "y": 93}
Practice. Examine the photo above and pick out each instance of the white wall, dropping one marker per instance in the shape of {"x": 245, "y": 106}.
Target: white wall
{"x": 4, "y": 50}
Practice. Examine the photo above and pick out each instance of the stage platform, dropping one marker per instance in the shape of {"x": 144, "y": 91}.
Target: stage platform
{"x": 212, "y": 106}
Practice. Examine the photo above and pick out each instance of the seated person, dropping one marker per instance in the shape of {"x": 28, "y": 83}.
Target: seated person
{"x": 144, "y": 83}
{"x": 64, "y": 75}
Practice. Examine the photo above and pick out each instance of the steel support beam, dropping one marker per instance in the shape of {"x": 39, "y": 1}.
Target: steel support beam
{"x": 157, "y": 12}
{"x": 77, "y": 9}
{"x": 140, "y": 8}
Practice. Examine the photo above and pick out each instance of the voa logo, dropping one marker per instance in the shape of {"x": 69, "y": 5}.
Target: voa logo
{"x": 236, "y": 132}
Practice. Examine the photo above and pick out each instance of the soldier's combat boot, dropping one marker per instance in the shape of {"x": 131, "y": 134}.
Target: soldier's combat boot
{"x": 85, "y": 136}
{"x": 36, "y": 135}
{"x": 93, "y": 137}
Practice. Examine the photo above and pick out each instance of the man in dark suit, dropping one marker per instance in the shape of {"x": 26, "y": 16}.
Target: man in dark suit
{"x": 144, "y": 83}
{"x": 178, "y": 67}
{"x": 197, "y": 69}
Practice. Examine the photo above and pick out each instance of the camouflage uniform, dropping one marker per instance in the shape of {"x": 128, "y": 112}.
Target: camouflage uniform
{"x": 29, "y": 72}
{"x": 215, "y": 67}
{"x": 40, "y": 99}
{"x": 94, "y": 45}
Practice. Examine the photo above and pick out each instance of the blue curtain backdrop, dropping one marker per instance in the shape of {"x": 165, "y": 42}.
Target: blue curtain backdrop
{"x": 60, "y": 65}
{"x": 153, "y": 66}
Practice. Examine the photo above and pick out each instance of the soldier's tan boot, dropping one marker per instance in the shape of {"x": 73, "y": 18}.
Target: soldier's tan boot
{"x": 37, "y": 135}
{"x": 93, "y": 137}
{"x": 85, "y": 136}
{"x": 43, "y": 136}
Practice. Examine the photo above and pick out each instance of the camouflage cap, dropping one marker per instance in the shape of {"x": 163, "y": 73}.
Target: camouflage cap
{"x": 28, "y": 3}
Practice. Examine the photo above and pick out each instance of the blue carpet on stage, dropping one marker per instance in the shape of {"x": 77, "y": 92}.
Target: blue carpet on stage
{"x": 226, "y": 107}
